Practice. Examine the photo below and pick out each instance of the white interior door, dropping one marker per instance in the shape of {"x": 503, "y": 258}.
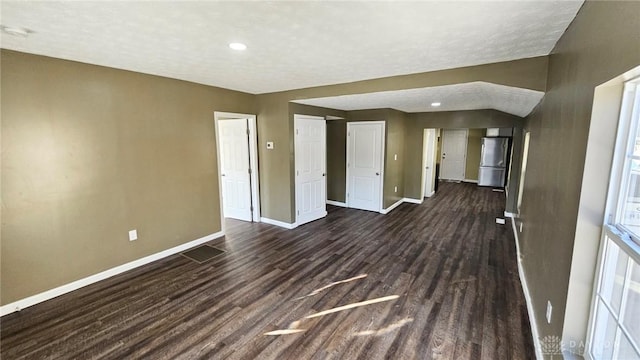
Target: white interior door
{"x": 429, "y": 161}
{"x": 364, "y": 165}
{"x": 310, "y": 155}
{"x": 234, "y": 169}
{"x": 454, "y": 154}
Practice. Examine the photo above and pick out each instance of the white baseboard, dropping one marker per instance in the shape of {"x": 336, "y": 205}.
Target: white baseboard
{"x": 527, "y": 295}
{"x": 430, "y": 194}
{"x": 336, "y": 203}
{"x": 509, "y": 214}
{"x": 398, "y": 203}
{"x": 395, "y": 205}
{"x": 61, "y": 290}
{"x": 279, "y": 223}
{"x": 412, "y": 201}
{"x": 470, "y": 181}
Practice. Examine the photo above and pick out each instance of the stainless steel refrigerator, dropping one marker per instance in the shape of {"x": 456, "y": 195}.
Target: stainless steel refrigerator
{"x": 493, "y": 161}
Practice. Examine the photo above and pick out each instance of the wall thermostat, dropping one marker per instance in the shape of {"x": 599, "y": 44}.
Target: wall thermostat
{"x": 269, "y": 145}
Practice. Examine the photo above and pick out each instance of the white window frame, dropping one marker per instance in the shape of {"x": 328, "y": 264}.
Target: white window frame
{"x": 613, "y": 229}
{"x": 631, "y": 111}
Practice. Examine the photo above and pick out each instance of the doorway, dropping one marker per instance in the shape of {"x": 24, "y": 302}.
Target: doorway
{"x": 523, "y": 169}
{"x": 310, "y": 163}
{"x": 429, "y": 161}
{"x": 454, "y": 154}
{"x": 365, "y": 150}
{"x": 236, "y": 141}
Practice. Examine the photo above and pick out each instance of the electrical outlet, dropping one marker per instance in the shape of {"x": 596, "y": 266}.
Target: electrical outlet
{"x": 395, "y": 189}
{"x": 500, "y": 221}
{"x": 549, "y": 310}
{"x": 133, "y": 235}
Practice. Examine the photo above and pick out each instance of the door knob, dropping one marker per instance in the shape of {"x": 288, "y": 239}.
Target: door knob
{"x": 223, "y": 175}
{"x": 377, "y": 174}
{"x": 323, "y": 174}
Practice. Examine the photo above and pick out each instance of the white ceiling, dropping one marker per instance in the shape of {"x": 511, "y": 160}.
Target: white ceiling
{"x": 468, "y": 96}
{"x": 291, "y": 44}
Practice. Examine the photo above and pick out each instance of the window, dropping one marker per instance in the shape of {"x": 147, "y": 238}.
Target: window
{"x": 615, "y": 318}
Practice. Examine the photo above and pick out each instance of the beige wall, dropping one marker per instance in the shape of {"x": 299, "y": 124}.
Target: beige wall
{"x": 336, "y": 160}
{"x": 89, "y": 153}
{"x": 394, "y": 158}
{"x": 601, "y": 43}
{"x": 275, "y": 114}
{"x": 275, "y": 165}
{"x": 474, "y": 148}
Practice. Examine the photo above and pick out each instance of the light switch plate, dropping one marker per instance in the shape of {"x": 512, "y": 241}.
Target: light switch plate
{"x": 133, "y": 235}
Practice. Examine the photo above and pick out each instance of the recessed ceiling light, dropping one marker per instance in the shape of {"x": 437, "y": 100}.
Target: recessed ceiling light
{"x": 16, "y": 31}
{"x": 435, "y": 104}
{"x": 238, "y": 46}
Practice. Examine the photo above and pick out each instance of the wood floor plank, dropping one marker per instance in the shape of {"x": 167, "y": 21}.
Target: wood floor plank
{"x": 437, "y": 280}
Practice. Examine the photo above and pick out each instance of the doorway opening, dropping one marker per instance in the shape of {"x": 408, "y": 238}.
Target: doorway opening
{"x": 237, "y": 155}
{"x": 523, "y": 169}
{"x": 429, "y": 159}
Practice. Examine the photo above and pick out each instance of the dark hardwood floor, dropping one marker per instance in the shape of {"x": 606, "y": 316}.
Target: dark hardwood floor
{"x": 431, "y": 281}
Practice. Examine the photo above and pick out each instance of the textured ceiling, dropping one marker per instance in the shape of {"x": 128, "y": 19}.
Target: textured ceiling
{"x": 468, "y": 96}
{"x": 291, "y": 44}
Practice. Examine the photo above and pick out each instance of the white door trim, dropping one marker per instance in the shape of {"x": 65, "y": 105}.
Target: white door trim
{"x": 253, "y": 161}
{"x": 382, "y": 157}
{"x": 296, "y": 118}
